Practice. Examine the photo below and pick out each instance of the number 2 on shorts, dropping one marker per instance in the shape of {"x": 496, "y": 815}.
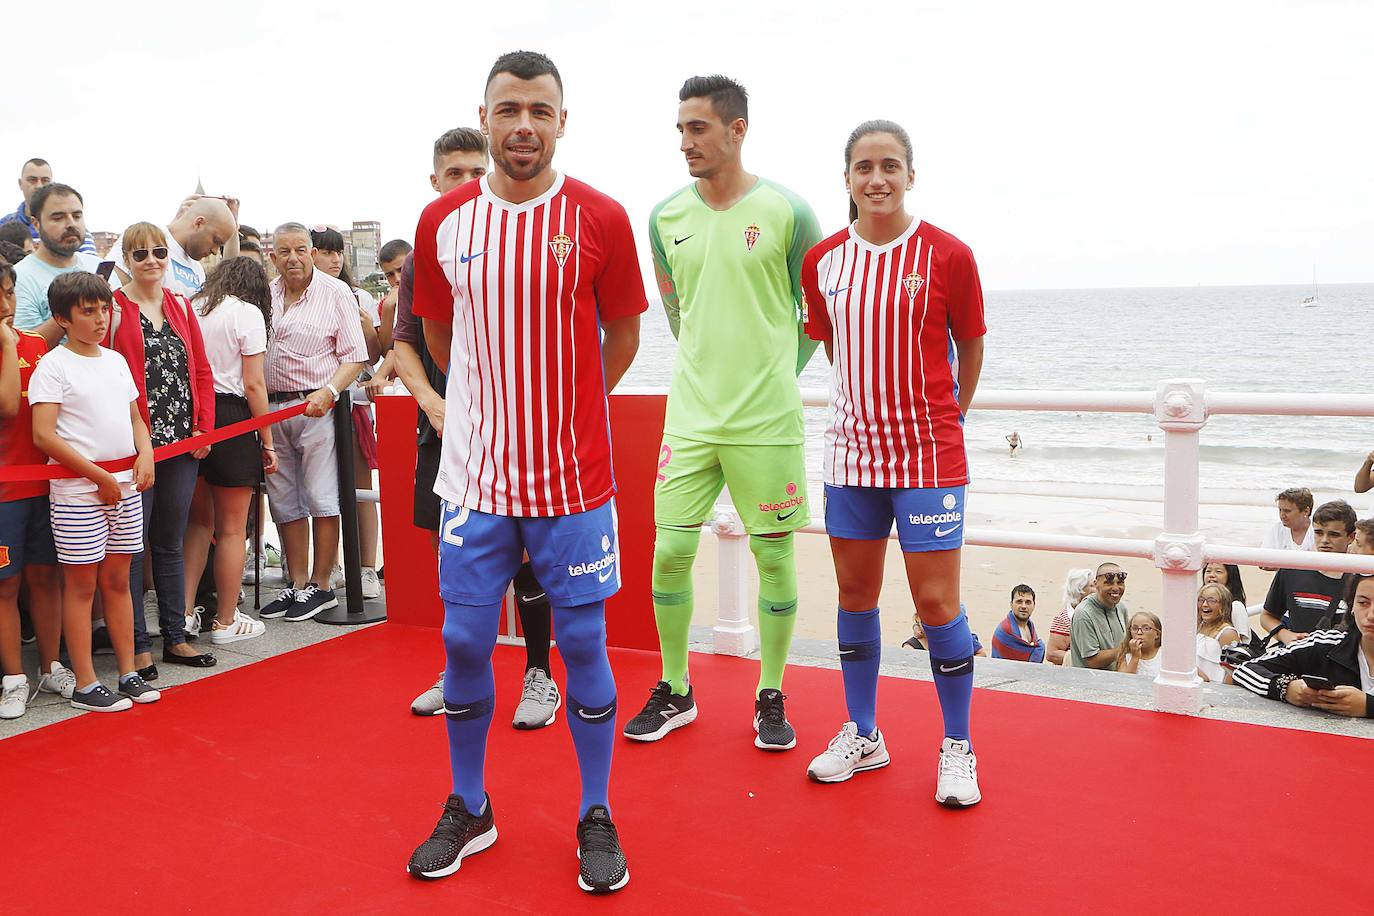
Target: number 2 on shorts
{"x": 455, "y": 521}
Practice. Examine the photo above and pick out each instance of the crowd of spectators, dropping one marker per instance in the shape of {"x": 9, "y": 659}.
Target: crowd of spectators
{"x": 182, "y": 329}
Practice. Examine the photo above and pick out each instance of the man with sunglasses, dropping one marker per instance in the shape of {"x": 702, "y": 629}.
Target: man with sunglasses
{"x": 202, "y": 226}
{"x": 1099, "y": 621}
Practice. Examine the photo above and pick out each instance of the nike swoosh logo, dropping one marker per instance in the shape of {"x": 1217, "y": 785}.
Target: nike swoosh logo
{"x": 679, "y": 241}
{"x": 945, "y": 669}
{"x": 609, "y": 571}
{"x": 582, "y": 713}
{"x": 457, "y": 712}
{"x": 783, "y": 518}
{"x": 941, "y": 532}
{"x": 836, "y": 292}
{"x": 868, "y": 753}
{"x": 847, "y": 651}
{"x": 464, "y": 258}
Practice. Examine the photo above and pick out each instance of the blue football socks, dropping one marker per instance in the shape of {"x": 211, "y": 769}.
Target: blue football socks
{"x": 951, "y": 662}
{"x": 469, "y": 695}
{"x": 581, "y": 635}
{"x": 860, "y": 634}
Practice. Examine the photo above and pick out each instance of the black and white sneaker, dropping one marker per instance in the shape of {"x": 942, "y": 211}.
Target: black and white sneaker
{"x": 278, "y": 606}
{"x": 602, "y": 867}
{"x": 457, "y": 835}
{"x": 664, "y": 712}
{"x": 99, "y": 699}
{"x": 310, "y": 601}
{"x": 138, "y": 690}
{"x": 775, "y": 733}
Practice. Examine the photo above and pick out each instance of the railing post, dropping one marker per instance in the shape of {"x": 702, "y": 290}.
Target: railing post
{"x": 1181, "y": 410}
{"x": 733, "y": 634}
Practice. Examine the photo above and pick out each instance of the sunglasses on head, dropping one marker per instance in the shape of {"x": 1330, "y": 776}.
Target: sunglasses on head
{"x": 1111, "y": 577}
{"x": 141, "y": 254}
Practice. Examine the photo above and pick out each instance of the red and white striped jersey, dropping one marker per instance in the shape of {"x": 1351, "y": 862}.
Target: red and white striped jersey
{"x": 526, "y": 286}
{"x": 892, "y": 313}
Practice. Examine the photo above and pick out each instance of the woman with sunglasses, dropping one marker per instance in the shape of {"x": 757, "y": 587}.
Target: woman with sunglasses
{"x": 329, "y": 257}
{"x": 235, "y": 309}
{"x": 156, "y": 332}
{"x": 899, "y": 307}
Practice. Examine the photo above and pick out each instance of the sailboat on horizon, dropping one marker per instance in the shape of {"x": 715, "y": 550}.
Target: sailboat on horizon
{"x": 1311, "y": 300}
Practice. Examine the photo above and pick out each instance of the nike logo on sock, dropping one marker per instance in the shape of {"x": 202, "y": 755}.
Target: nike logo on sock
{"x": 582, "y": 713}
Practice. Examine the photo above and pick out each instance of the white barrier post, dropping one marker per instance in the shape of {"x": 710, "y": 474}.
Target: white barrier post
{"x": 1181, "y": 410}
{"x": 734, "y": 634}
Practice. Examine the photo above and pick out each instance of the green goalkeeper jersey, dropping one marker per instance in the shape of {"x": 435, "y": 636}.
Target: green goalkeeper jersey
{"x": 731, "y": 285}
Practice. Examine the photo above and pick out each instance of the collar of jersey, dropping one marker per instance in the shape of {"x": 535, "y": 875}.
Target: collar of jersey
{"x": 880, "y": 249}
{"x": 530, "y": 204}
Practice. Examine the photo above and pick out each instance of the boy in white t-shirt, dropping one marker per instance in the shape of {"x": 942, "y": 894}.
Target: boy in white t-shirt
{"x": 1293, "y": 530}
{"x": 85, "y": 410}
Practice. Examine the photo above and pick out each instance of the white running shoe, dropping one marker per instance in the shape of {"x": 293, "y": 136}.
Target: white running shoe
{"x": 243, "y": 627}
{"x": 337, "y": 580}
{"x": 848, "y": 753}
{"x": 14, "y": 696}
{"x": 193, "y": 621}
{"x": 58, "y": 680}
{"x": 372, "y": 586}
{"x": 539, "y": 701}
{"x": 957, "y": 786}
{"x": 431, "y": 702}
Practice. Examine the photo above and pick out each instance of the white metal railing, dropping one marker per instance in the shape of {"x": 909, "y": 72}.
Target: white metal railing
{"x": 1181, "y": 407}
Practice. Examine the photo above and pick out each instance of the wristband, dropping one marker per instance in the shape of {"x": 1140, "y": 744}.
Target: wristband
{"x": 332, "y": 390}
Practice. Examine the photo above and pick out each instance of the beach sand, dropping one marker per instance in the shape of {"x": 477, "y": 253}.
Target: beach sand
{"x": 989, "y": 573}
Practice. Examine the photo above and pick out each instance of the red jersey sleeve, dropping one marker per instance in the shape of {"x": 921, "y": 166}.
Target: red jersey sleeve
{"x": 966, "y": 320}
{"x": 619, "y": 283}
{"x": 433, "y": 295}
{"x": 815, "y": 318}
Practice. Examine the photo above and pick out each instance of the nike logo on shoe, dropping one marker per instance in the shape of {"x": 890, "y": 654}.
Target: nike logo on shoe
{"x": 464, "y": 258}
{"x": 679, "y": 241}
{"x": 941, "y": 532}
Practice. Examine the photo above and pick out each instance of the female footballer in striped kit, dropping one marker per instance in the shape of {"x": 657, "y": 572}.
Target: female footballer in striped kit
{"x": 899, "y": 307}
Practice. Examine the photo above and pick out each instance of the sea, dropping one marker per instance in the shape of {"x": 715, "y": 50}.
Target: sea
{"x": 1235, "y": 338}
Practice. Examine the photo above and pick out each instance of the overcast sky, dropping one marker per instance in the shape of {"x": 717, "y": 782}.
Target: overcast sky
{"x": 1071, "y": 145}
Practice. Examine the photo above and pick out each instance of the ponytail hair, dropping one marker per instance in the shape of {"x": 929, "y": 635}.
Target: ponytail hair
{"x": 878, "y": 126}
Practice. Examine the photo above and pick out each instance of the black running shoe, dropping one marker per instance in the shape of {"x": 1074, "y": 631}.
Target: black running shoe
{"x": 602, "y": 867}
{"x": 278, "y": 606}
{"x": 775, "y": 733}
{"x": 310, "y": 601}
{"x": 457, "y": 835}
{"x": 664, "y": 712}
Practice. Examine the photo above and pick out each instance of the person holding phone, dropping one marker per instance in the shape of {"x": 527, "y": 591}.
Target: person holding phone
{"x": 1327, "y": 670}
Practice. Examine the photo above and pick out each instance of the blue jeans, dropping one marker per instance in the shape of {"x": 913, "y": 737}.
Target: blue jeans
{"x": 166, "y": 505}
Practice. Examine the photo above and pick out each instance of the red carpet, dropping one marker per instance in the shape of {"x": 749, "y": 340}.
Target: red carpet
{"x": 301, "y": 784}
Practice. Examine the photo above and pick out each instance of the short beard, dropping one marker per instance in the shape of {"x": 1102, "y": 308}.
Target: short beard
{"x": 57, "y": 247}
{"x": 514, "y": 174}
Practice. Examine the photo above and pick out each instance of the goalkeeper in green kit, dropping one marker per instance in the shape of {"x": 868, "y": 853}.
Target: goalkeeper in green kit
{"x": 728, "y": 252}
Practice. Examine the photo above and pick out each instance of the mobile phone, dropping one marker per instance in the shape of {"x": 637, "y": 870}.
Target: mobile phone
{"x": 104, "y": 270}
{"x": 1317, "y": 682}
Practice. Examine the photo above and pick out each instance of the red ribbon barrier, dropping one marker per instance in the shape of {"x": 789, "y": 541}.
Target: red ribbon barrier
{"x": 170, "y": 450}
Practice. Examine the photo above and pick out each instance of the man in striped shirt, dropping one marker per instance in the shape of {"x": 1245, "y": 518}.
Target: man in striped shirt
{"x": 315, "y": 351}
{"x": 517, "y": 277}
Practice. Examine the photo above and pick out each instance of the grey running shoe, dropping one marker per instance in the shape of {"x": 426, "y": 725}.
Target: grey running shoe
{"x": 539, "y": 701}
{"x": 431, "y": 702}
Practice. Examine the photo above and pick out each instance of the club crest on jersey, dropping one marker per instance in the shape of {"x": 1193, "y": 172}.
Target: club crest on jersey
{"x": 561, "y": 246}
{"x": 913, "y": 283}
{"x": 751, "y": 235}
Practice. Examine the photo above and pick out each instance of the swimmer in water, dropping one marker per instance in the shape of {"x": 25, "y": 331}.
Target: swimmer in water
{"x": 1013, "y": 443}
